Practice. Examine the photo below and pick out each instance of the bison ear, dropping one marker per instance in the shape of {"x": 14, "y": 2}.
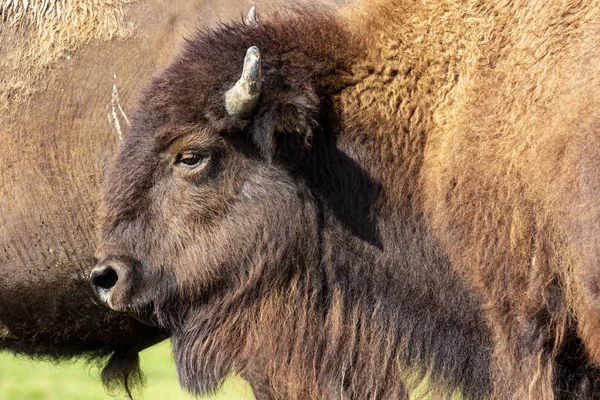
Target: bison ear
{"x": 284, "y": 128}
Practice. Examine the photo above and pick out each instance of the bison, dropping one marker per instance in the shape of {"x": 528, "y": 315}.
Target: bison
{"x": 395, "y": 191}
{"x": 70, "y": 76}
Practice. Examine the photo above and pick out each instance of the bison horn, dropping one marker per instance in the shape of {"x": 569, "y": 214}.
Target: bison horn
{"x": 251, "y": 18}
{"x": 241, "y": 100}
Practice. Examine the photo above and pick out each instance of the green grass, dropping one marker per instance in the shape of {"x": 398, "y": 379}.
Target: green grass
{"x": 24, "y": 379}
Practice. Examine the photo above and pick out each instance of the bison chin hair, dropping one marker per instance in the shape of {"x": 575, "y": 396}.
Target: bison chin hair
{"x": 120, "y": 368}
{"x": 122, "y": 372}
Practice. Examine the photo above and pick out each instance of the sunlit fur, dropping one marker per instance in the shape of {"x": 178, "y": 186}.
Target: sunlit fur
{"x": 412, "y": 198}
{"x": 36, "y": 34}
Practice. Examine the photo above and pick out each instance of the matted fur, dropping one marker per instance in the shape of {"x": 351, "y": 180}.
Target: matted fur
{"x": 35, "y": 34}
{"x": 415, "y": 196}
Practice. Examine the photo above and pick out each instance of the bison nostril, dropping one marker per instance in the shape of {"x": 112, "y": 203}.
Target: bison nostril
{"x": 104, "y": 278}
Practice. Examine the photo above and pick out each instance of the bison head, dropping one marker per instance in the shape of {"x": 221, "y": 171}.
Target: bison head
{"x": 199, "y": 183}
{"x": 257, "y": 222}
{"x": 210, "y": 203}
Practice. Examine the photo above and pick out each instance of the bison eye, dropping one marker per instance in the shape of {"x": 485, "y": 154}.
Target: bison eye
{"x": 190, "y": 160}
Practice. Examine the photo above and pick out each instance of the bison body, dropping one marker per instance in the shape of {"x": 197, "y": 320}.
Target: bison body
{"x": 411, "y": 195}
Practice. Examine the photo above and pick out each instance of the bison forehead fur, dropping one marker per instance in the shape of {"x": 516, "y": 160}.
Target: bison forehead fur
{"x": 413, "y": 195}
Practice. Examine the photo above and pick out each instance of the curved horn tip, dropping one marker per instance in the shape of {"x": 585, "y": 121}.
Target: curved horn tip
{"x": 251, "y": 69}
{"x": 242, "y": 98}
{"x": 251, "y": 17}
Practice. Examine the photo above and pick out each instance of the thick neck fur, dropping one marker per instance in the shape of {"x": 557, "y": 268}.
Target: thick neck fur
{"x": 368, "y": 305}
{"x": 350, "y": 319}
{"x": 348, "y": 304}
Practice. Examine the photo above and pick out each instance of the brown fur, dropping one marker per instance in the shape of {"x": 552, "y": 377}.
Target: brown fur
{"x": 503, "y": 207}
{"x": 295, "y": 252}
{"x": 417, "y": 187}
{"x": 55, "y": 146}
{"x": 35, "y": 35}
{"x": 510, "y": 126}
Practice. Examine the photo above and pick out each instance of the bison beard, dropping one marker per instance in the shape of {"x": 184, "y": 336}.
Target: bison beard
{"x": 329, "y": 244}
